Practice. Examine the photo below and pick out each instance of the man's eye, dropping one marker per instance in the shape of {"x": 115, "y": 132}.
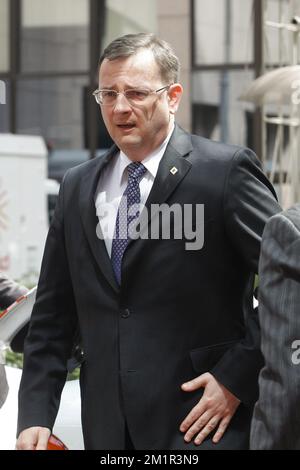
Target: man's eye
{"x": 137, "y": 94}
{"x": 108, "y": 94}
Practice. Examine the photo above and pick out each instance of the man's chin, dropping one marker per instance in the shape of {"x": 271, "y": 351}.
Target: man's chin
{"x": 129, "y": 140}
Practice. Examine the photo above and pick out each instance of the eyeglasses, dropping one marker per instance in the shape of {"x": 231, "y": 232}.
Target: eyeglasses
{"x": 134, "y": 96}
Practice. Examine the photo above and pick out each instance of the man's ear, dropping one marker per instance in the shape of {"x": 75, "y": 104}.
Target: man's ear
{"x": 174, "y": 97}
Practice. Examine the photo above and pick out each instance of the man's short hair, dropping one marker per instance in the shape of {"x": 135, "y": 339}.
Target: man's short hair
{"x": 130, "y": 44}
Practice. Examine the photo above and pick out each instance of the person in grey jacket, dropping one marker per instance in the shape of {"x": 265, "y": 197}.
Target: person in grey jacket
{"x": 276, "y": 418}
{"x": 9, "y": 292}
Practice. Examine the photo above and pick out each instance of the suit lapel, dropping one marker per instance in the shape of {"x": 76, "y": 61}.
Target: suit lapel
{"x": 171, "y": 171}
{"x": 90, "y": 220}
{"x": 165, "y": 183}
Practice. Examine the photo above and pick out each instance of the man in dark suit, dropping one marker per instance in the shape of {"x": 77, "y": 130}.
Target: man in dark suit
{"x": 169, "y": 333}
{"x": 9, "y": 292}
{"x": 276, "y": 418}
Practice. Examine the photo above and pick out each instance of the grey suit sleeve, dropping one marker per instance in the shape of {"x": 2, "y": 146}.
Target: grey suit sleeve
{"x": 9, "y": 291}
{"x": 276, "y": 419}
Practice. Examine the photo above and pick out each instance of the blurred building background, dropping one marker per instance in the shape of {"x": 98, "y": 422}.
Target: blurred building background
{"x": 49, "y": 55}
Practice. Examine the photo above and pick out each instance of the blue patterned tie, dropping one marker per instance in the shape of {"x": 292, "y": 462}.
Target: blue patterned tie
{"x": 130, "y": 196}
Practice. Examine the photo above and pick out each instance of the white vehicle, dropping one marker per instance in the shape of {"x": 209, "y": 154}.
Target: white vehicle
{"x": 68, "y": 422}
{"x": 23, "y": 205}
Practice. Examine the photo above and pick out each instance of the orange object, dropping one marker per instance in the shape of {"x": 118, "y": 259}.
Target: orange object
{"x": 55, "y": 444}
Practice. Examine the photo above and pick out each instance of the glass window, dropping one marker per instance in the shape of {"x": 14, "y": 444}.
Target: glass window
{"x": 55, "y": 35}
{"x": 210, "y": 22}
{"x": 136, "y": 17}
{"x": 4, "y": 35}
{"x": 4, "y": 106}
{"x": 280, "y": 42}
{"x": 54, "y": 109}
{"x": 207, "y": 99}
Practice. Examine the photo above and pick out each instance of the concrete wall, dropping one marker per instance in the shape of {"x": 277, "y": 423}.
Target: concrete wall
{"x": 4, "y": 34}
{"x": 174, "y": 27}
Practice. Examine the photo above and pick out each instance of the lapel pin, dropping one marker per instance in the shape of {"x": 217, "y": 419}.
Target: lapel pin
{"x": 173, "y": 170}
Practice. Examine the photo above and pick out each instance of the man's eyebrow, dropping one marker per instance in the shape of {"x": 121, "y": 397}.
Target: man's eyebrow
{"x": 106, "y": 87}
{"x": 127, "y": 87}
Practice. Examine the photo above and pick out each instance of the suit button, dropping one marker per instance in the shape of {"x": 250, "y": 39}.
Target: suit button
{"x": 125, "y": 313}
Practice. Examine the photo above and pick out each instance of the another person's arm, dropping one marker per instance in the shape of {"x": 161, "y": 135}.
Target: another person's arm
{"x": 276, "y": 415}
{"x": 9, "y": 291}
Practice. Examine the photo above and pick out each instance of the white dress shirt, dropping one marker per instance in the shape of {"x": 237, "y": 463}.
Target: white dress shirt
{"x": 112, "y": 184}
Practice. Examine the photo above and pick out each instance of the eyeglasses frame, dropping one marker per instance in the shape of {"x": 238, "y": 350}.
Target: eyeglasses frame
{"x": 95, "y": 93}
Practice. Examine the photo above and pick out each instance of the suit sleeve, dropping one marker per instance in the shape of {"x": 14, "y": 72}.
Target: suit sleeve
{"x": 249, "y": 201}
{"x": 276, "y": 415}
{"x": 52, "y": 327}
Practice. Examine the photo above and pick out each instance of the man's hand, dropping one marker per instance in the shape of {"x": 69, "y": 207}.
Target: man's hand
{"x": 35, "y": 438}
{"x": 215, "y": 409}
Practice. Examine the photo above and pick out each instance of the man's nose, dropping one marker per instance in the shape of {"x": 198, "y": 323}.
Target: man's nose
{"x": 122, "y": 105}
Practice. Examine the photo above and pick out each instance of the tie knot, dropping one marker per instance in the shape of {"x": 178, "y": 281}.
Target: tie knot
{"x": 136, "y": 170}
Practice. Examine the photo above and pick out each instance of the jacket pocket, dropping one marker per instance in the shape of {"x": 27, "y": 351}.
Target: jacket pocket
{"x": 205, "y": 358}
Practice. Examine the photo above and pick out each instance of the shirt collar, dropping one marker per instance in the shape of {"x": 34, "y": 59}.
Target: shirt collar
{"x": 151, "y": 162}
{"x": 123, "y": 162}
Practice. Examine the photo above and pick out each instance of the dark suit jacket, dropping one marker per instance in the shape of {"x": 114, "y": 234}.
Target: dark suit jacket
{"x": 177, "y": 314}
{"x": 276, "y": 419}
